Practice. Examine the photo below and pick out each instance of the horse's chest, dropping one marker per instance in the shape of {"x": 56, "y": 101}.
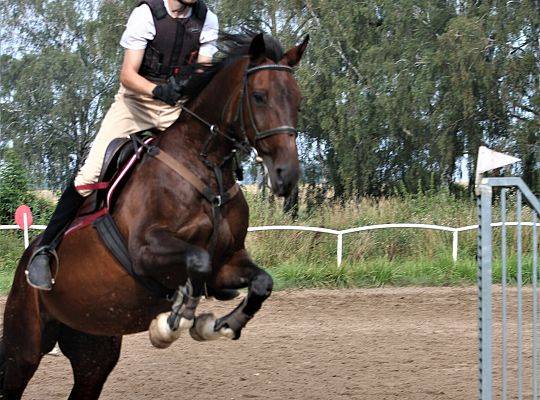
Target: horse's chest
{"x": 206, "y": 229}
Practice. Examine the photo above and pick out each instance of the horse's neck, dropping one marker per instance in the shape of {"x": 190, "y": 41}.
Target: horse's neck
{"x": 189, "y": 135}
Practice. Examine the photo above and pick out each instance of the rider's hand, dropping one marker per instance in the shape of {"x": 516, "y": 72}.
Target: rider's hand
{"x": 169, "y": 92}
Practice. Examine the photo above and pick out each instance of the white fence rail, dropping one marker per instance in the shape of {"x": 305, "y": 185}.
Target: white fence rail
{"x": 340, "y": 233}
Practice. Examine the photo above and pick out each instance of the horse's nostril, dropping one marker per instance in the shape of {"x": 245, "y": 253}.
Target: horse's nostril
{"x": 281, "y": 172}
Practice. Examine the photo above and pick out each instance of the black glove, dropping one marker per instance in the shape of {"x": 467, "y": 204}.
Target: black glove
{"x": 189, "y": 83}
{"x": 195, "y": 83}
{"x": 169, "y": 92}
{"x": 193, "y": 78}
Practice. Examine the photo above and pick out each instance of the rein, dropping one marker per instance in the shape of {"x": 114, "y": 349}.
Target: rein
{"x": 217, "y": 200}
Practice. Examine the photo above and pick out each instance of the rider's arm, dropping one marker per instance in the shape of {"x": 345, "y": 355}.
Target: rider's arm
{"x": 208, "y": 39}
{"x": 129, "y": 75}
{"x": 204, "y": 60}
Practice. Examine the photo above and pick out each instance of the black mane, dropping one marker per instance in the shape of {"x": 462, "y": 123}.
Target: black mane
{"x": 231, "y": 47}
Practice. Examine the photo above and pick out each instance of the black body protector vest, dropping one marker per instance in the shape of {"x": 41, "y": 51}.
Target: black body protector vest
{"x": 176, "y": 43}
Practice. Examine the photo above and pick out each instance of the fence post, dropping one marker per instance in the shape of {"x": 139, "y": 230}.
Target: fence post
{"x": 455, "y": 245}
{"x": 25, "y": 225}
{"x": 339, "y": 249}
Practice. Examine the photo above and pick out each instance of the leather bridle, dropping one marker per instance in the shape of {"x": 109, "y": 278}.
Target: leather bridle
{"x": 243, "y": 144}
{"x": 245, "y": 94}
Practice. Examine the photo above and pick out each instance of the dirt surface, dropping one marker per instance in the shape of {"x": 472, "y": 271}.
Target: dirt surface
{"x": 391, "y": 343}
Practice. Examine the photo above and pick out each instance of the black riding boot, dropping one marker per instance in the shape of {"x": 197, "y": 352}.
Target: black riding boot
{"x": 38, "y": 272}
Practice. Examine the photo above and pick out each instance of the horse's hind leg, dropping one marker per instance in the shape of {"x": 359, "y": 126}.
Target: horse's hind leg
{"x": 27, "y": 335}
{"x": 2, "y": 366}
{"x": 92, "y": 360}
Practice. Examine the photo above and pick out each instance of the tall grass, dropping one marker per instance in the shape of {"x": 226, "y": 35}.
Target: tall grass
{"x": 400, "y": 256}
{"x": 375, "y": 258}
{"x": 11, "y": 249}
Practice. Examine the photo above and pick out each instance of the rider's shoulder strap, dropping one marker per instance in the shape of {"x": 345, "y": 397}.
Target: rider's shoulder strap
{"x": 157, "y": 7}
{"x": 200, "y": 10}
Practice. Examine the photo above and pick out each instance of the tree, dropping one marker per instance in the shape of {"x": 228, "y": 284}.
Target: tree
{"x": 59, "y": 73}
{"x": 13, "y": 186}
{"x": 397, "y": 94}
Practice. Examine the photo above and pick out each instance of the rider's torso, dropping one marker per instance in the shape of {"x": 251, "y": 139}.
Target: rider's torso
{"x": 175, "y": 44}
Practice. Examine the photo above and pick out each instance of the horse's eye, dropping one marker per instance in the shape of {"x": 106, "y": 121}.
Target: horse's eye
{"x": 259, "y": 97}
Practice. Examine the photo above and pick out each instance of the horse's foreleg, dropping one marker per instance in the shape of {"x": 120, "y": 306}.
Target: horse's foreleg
{"x": 163, "y": 251}
{"x": 240, "y": 271}
{"x": 167, "y": 327}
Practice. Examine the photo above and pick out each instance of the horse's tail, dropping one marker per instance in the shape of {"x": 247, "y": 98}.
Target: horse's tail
{"x": 19, "y": 276}
{"x": 20, "y": 293}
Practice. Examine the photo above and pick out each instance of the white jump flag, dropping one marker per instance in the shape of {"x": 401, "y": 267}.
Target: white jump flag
{"x": 489, "y": 159}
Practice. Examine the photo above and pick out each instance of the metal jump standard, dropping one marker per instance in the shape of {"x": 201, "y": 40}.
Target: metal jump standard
{"x": 486, "y": 321}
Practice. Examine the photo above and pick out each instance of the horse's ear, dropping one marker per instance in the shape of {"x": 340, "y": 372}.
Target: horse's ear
{"x": 293, "y": 56}
{"x": 257, "y": 48}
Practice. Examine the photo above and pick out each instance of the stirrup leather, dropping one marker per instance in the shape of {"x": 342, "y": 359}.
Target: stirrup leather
{"x": 52, "y": 252}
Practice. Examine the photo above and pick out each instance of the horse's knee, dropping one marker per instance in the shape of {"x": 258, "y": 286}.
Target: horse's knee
{"x": 262, "y": 285}
{"x": 198, "y": 263}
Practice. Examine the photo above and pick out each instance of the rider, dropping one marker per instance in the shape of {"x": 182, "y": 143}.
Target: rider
{"x": 162, "y": 37}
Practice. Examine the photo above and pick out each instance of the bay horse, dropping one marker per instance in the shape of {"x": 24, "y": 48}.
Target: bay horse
{"x": 178, "y": 235}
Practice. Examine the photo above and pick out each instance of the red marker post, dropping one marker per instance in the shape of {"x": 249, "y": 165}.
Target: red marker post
{"x": 23, "y": 218}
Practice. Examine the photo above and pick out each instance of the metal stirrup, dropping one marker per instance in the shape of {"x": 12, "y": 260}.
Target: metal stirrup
{"x": 52, "y": 252}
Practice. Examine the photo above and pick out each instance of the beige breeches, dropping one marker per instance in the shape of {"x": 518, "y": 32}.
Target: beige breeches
{"x": 130, "y": 113}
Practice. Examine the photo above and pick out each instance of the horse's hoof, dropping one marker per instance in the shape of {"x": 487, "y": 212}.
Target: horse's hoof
{"x": 203, "y": 329}
{"x": 185, "y": 324}
{"x": 200, "y": 330}
{"x": 228, "y": 333}
{"x": 161, "y": 335}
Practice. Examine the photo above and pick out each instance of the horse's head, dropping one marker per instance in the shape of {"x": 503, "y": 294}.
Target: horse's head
{"x": 269, "y": 112}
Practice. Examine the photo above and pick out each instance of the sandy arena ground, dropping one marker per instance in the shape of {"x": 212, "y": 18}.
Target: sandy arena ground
{"x": 390, "y": 343}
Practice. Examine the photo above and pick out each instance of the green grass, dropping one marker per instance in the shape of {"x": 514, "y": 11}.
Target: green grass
{"x": 383, "y": 272}
{"x": 384, "y": 257}
{"x": 11, "y": 246}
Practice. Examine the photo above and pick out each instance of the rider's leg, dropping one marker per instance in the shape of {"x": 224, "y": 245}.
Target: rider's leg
{"x": 127, "y": 115}
{"x": 38, "y": 273}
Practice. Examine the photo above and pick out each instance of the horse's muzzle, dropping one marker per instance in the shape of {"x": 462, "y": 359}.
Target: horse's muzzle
{"x": 283, "y": 177}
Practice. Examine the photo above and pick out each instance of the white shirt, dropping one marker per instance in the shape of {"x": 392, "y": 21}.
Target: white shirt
{"x": 140, "y": 30}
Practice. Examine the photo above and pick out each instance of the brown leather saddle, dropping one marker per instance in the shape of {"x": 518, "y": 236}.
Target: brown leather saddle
{"x": 119, "y": 152}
